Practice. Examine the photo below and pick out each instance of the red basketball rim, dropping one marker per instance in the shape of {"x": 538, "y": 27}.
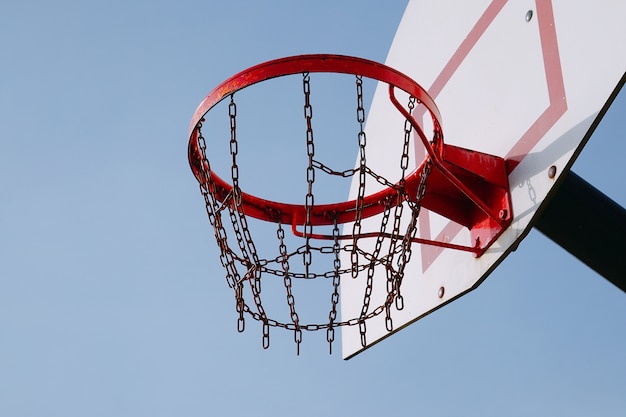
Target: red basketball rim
{"x": 319, "y": 214}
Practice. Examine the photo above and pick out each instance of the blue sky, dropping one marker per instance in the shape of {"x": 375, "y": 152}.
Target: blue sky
{"x": 112, "y": 298}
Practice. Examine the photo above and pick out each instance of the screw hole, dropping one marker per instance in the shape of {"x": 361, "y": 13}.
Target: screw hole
{"x": 552, "y": 172}
{"x": 441, "y": 292}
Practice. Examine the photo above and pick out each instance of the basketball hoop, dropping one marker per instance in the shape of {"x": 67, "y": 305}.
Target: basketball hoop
{"x": 468, "y": 187}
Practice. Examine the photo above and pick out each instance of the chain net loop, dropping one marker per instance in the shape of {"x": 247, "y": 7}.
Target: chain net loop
{"x": 246, "y": 269}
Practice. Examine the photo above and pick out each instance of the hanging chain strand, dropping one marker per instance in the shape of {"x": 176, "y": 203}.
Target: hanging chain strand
{"x": 310, "y": 171}
{"x": 240, "y": 227}
{"x": 232, "y": 116}
{"x": 369, "y": 283}
{"x": 334, "y": 299}
{"x": 404, "y": 164}
{"x": 291, "y": 301}
{"x": 392, "y": 276}
{"x": 408, "y": 130}
{"x": 405, "y": 254}
{"x": 415, "y": 205}
{"x": 362, "y": 140}
{"x": 207, "y": 188}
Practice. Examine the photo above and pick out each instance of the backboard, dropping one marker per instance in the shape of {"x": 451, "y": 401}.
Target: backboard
{"x": 524, "y": 80}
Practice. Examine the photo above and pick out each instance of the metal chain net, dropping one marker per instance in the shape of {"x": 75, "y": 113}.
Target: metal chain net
{"x": 245, "y": 267}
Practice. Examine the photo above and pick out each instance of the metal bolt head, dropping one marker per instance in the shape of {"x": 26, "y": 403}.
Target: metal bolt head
{"x": 552, "y": 172}
{"x": 441, "y": 292}
{"x": 529, "y": 15}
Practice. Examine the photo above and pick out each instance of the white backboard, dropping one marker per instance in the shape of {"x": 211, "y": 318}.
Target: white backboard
{"x": 524, "y": 80}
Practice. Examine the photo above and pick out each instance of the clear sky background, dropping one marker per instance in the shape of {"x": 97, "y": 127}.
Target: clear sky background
{"x": 112, "y": 298}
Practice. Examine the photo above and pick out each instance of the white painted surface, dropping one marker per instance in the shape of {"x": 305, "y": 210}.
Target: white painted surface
{"x": 488, "y": 103}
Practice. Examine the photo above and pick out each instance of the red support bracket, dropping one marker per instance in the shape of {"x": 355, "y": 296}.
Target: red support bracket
{"x": 482, "y": 202}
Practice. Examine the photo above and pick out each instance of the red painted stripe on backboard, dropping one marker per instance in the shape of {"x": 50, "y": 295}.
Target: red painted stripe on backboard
{"x": 556, "y": 87}
{"x": 466, "y": 46}
{"x": 556, "y": 108}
